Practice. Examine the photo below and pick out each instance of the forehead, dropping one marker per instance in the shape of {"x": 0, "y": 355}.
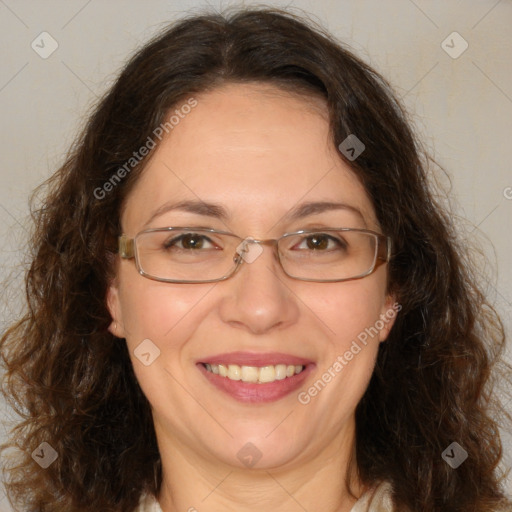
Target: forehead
{"x": 255, "y": 149}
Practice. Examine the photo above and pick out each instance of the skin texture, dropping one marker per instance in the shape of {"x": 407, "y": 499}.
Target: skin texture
{"x": 258, "y": 152}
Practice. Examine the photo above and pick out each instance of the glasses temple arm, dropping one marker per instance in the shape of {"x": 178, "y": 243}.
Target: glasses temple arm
{"x": 384, "y": 250}
{"x": 126, "y": 247}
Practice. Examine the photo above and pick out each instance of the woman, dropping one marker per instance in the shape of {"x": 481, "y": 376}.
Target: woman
{"x": 243, "y": 296}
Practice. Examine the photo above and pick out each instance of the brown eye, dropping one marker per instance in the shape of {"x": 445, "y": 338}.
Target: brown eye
{"x": 322, "y": 242}
{"x": 192, "y": 241}
{"x": 317, "y": 242}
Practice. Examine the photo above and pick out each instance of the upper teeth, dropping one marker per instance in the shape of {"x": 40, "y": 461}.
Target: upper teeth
{"x": 261, "y": 374}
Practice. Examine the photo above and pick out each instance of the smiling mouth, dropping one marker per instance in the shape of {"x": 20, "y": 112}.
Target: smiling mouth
{"x": 254, "y": 374}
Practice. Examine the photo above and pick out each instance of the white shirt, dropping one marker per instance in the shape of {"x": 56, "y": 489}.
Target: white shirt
{"x": 376, "y": 499}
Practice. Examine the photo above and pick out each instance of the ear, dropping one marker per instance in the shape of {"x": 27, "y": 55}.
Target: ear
{"x": 389, "y": 312}
{"x": 116, "y": 327}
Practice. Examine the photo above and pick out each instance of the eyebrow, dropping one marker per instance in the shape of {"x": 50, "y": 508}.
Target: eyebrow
{"x": 316, "y": 207}
{"x": 219, "y": 212}
{"x": 197, "y": 207}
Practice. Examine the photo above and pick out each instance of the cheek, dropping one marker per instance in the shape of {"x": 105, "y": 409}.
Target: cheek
{"x": 159, "y": 319}
{"x": 350, "y": 311}
{"x": 155, "y": 310}
{"x": 350, "y": 308}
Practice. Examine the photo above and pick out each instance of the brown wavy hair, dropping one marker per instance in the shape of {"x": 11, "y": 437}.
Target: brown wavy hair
{"x": 72, "y": 381}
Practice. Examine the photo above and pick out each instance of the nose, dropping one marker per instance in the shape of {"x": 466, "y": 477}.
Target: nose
{"x": 258, "y": 298}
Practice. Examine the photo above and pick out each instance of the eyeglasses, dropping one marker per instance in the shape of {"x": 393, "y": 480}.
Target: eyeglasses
{"x": 199, "y": 255}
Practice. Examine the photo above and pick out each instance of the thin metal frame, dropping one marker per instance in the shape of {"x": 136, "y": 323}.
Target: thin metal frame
{"x": 127, "y": 250}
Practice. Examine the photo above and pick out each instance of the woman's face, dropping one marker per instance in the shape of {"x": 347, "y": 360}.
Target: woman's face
{"x": 259, "y": 155}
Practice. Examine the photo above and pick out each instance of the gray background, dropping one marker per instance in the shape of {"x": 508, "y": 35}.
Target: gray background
{"x": 462, "y": 107}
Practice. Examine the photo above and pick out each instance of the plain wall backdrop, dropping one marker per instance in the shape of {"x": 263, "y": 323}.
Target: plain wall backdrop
{"x": 449, "y": 62}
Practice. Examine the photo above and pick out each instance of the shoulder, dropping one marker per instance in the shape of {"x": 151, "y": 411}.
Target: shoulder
{"x": 375, "y": 499}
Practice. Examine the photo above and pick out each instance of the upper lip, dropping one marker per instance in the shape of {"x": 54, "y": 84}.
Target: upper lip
{"x": 255, "y": 359}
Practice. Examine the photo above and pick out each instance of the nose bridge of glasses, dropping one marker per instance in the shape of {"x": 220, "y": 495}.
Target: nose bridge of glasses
{"x": 249, "y": 248}
{"x": 267, "y": 241}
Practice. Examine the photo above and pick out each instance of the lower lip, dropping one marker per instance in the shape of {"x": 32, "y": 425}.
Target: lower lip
{"x": 252, "y": 392}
